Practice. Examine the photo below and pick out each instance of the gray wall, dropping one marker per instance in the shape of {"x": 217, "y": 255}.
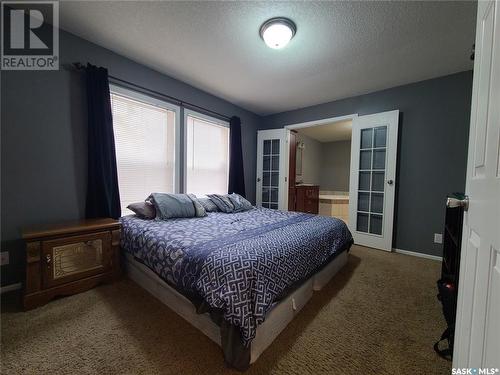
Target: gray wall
{"x": 311, "y": 157}
{"x": 43, "y": 143}
{"x": 335, "y": 165}
{"x": 325, "y": 164}
{"x": 433, "y": 136}
{"x": 43, "y": 139}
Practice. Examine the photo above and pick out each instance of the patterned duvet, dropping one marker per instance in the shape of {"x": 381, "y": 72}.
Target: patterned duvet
{"x": 240, "y": 262}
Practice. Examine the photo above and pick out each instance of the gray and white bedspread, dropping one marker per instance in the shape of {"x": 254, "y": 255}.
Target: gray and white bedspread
{"x": 240, "y": 263}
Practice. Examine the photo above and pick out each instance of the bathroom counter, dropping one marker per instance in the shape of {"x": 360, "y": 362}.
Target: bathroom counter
{"x": 335, "y": 198}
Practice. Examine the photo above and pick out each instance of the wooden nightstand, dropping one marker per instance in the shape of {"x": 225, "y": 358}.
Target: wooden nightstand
{"x": 70, "y": 258}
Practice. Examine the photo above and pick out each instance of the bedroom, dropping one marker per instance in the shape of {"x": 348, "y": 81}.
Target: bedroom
{"x": 156, "y": 97}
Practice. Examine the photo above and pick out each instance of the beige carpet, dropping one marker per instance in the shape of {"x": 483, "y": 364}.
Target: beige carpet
{"x": 379, "y": 315}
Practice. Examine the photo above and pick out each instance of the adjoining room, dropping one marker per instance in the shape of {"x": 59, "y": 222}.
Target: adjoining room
{"x": 322, "y": 160}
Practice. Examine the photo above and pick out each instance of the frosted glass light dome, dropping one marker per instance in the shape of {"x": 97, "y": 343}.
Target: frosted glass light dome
{"x": 277, "y": 32}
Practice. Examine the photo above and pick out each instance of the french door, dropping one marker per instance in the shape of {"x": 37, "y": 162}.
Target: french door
{"x": 372, "y": 179}
{"x": 477, "y": 332}
{"x": 272, "y": 160}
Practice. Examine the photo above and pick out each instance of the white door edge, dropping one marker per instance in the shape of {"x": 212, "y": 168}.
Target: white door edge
{"x": 477, "y": 327}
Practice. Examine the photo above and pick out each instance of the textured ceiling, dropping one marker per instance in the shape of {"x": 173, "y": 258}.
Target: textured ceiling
{"x": 335, "y": 131}
{"x": 341, "y": 49}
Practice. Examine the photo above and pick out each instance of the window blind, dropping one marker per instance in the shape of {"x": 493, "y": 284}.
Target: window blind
{"x": 145, "y": 149}
{"x": 207, "y": 148}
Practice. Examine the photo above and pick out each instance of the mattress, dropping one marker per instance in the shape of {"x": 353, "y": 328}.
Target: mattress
{"x": 237, "y": 265}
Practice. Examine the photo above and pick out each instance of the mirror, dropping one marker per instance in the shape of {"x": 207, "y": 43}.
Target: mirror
{"x": 298, "y": 158}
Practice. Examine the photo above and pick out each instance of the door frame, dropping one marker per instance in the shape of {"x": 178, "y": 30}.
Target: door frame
{"x": 310, "y": 124}
{"x": 301, "y": 125}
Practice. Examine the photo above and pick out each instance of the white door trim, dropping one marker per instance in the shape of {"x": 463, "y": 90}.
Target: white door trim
{"x": 309, "y": 124}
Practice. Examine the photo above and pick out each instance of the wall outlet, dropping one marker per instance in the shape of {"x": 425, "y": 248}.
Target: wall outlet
{"x": 4, "y": 258}
{"x": 438, "y": 238}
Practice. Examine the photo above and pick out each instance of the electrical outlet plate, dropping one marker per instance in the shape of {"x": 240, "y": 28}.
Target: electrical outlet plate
{"x": 438, "y": 238}
{"x": 4, "y": 258}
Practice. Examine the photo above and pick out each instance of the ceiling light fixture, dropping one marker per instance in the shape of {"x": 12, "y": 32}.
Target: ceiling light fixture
{"x": 277, "y": 32}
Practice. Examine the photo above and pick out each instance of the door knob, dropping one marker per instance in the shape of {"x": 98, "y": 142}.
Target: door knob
{"x": 454, "y": 202}
{"x": 390, "y": 182}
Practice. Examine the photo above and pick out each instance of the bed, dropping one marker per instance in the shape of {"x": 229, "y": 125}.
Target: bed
{"x": 238, "y": 277}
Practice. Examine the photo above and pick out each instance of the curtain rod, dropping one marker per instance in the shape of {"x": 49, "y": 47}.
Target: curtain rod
{"x": 171, "y": 99}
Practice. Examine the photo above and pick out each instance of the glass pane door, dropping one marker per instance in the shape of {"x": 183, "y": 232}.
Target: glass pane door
{"x": 372, "y": 181}
{"x": 270, "y": 173}
{"x": 372, "y": 166}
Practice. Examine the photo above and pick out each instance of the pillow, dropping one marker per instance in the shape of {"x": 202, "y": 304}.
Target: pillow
{"x": 144, "y": 210}
{"x": 198, "y": 207}
{"x": 170, "y": 206}
{"x": 222, "y": 202}
{"x": 240, "y": 204}
{"x": 208, "y": 205}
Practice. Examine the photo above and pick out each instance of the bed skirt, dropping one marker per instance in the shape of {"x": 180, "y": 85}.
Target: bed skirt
{"x": 277, "y": 319}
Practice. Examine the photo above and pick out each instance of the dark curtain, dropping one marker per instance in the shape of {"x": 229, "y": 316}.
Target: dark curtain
{"x": 103, "y": 197}
{"x": 236, "y": 175}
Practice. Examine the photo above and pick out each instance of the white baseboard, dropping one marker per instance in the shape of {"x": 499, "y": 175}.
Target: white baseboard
{"x": 10, "y": 288}
{"x": 420, "y": 255}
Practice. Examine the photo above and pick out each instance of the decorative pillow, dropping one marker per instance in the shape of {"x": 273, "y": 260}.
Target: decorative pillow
{"x": 208, "y": 205}
{"x": 144, "y": 210}
{"x": 222, "y": 202}
{"x": 198, "y": 207}
{"x": 240, "y": 204}
{"x": 170, "y": 206}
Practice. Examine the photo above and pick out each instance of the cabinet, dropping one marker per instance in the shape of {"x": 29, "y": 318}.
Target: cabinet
{"x": 69, "y": 258}
{"x": 307, "y": 198}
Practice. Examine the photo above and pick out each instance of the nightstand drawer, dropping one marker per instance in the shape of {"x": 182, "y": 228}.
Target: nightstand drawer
{"x": 312, "y": 193}
{"x": 73, "y": 258}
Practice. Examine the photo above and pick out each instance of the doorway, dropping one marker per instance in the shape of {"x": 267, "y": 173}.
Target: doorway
{"x": 369, "y": 195}
{"x": 319, "y": 168}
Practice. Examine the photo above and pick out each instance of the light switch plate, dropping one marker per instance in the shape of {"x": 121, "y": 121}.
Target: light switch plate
{"x": 4, "y": 258}
{"x": 438, "y": 238}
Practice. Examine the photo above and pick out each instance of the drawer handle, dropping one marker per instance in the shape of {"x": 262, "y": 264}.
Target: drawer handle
{"x": 48, "y": 259}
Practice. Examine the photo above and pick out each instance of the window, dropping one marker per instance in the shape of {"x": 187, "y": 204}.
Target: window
{"x": 145, "y": 131}
{"x": 207, "y": 154}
